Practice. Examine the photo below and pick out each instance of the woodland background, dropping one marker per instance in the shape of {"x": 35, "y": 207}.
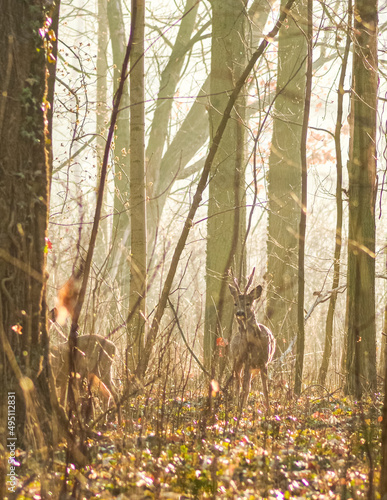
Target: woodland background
{"x": 146, "y": 149}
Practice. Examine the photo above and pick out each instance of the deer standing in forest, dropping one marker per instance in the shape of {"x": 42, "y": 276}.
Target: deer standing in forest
{"x": 93, "y": 360}
{"x": 93, "y": 355}
{"x": 253, "y": 347}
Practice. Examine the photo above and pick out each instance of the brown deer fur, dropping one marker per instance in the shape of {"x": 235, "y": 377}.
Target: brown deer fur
{"x": 93, "y": 355}
{"x": 253, "y": 347}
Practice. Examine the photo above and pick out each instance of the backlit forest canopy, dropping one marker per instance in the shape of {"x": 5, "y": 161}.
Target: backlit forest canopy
{"x": 180, "y": 117}
{"x": 151, "y": 155}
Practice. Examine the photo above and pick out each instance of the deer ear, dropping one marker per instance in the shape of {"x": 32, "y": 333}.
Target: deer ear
{"x": 256, "y": 292}
{"x": 233, "y": 291}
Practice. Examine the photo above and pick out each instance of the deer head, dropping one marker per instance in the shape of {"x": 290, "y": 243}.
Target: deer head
{"x": 243, "y": 301}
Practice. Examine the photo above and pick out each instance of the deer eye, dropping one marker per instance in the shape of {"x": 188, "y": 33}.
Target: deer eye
{"x": 235, "y": 304}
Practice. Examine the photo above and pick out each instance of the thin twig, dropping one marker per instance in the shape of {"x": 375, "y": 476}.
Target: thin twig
{"x": 186, "y": 343}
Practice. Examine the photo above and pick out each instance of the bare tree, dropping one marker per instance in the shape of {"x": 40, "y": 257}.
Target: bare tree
{"x": 284, "y": 179}
{"x": 304, "y": 185}
{"x": 339, "y": 206}
{"x": 361, "y": 344}
{"x": 24, "y": 201}
{"x": 154, "y": 329}
{"x": 138, "y": 240}
{"x": 226, "y": 213}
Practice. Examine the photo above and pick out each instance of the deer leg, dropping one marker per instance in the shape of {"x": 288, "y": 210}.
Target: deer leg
{"x": 106, "y": 378}
{"x": 104, "y": 373}
{"x": 112, "y": 389}
{"x": 236, "y": 377}
{"x": 264, "y": 386}
{"x": 246, "y": 384}
{"x": 61, "y": 383}
{"x": 63, "y": 394}
{"x": 98, "y": 389}
{"x": 239, "y": 387}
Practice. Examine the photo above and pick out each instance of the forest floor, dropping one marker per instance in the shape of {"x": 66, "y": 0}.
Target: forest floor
{"x": 313, "y": 447}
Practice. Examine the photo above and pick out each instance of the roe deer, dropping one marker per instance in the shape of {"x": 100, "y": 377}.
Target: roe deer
{"x": 97, "y": 390}
{"x": 252, "y": 348}
{"x": 93, "y": 356}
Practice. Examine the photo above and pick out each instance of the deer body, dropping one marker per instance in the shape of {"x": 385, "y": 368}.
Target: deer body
{"x": 253, "y": 347}
{"x": 93, "y": 356}
{"x": 98, "y": 389}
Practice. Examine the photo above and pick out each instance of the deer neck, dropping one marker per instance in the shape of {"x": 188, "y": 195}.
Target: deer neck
{"x": 250, "y": 323}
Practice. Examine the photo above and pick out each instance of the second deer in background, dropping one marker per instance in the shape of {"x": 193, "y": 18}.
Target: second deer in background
{"x": 253, "y": 347}
{"x": 93, "y": 355}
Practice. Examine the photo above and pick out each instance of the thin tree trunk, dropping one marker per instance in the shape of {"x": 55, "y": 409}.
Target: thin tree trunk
{"x": 339, "y": 209}
{"x": 121, "y": 219}
{"x": 138, "y": 261}
{"x": 383, "y": 472}
{"x": 102, "y": 115}
{"x": 169, "y": 80}
{"x": 302, "y": 232}
{"x": 383, "y": 344}
{"x": 98, "y": 209}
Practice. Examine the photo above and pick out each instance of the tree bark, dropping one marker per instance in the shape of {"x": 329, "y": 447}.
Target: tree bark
{"x": 121, "y": 147}
{"x": 24, "y": 202}
{"x": 361, "y": 343}
{"x": 226, "y": 223}
{"x": 138, "y": 255}
{"x": 339, "y": 209}
{"x": 284, "y": 180}
{"x": 169, "y": 80}
{"x": 300, "y": 345}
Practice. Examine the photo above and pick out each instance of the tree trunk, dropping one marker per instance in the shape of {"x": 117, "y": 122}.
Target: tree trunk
{"x": 121, "y": 147}
{"x": 169, "y": 80}
{"x": 284, "y": 180}
{"x": 383, "y": 472}
{"x": 54, "y": 15}
{"x": 302, "y": 231}
{"x": 361, "y": 345}
{"x": 339, "y": 209}
{"x": 193, "y": 133}
{"x": 138, "y": 260}
{"x": 226, "y": 214}
{"x": 197, "y": 198}
{"x": 102, "y": 115}
{"x": 24, "y": 201}
{"x": 383, "y": 342}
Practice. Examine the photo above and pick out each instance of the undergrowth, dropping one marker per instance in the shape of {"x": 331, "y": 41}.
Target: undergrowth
{"x": 182, "y": 448}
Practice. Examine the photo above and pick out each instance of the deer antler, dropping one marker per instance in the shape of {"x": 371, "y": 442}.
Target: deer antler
{"x": 249, "y": 280}
{"x": 231, "y": 274}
